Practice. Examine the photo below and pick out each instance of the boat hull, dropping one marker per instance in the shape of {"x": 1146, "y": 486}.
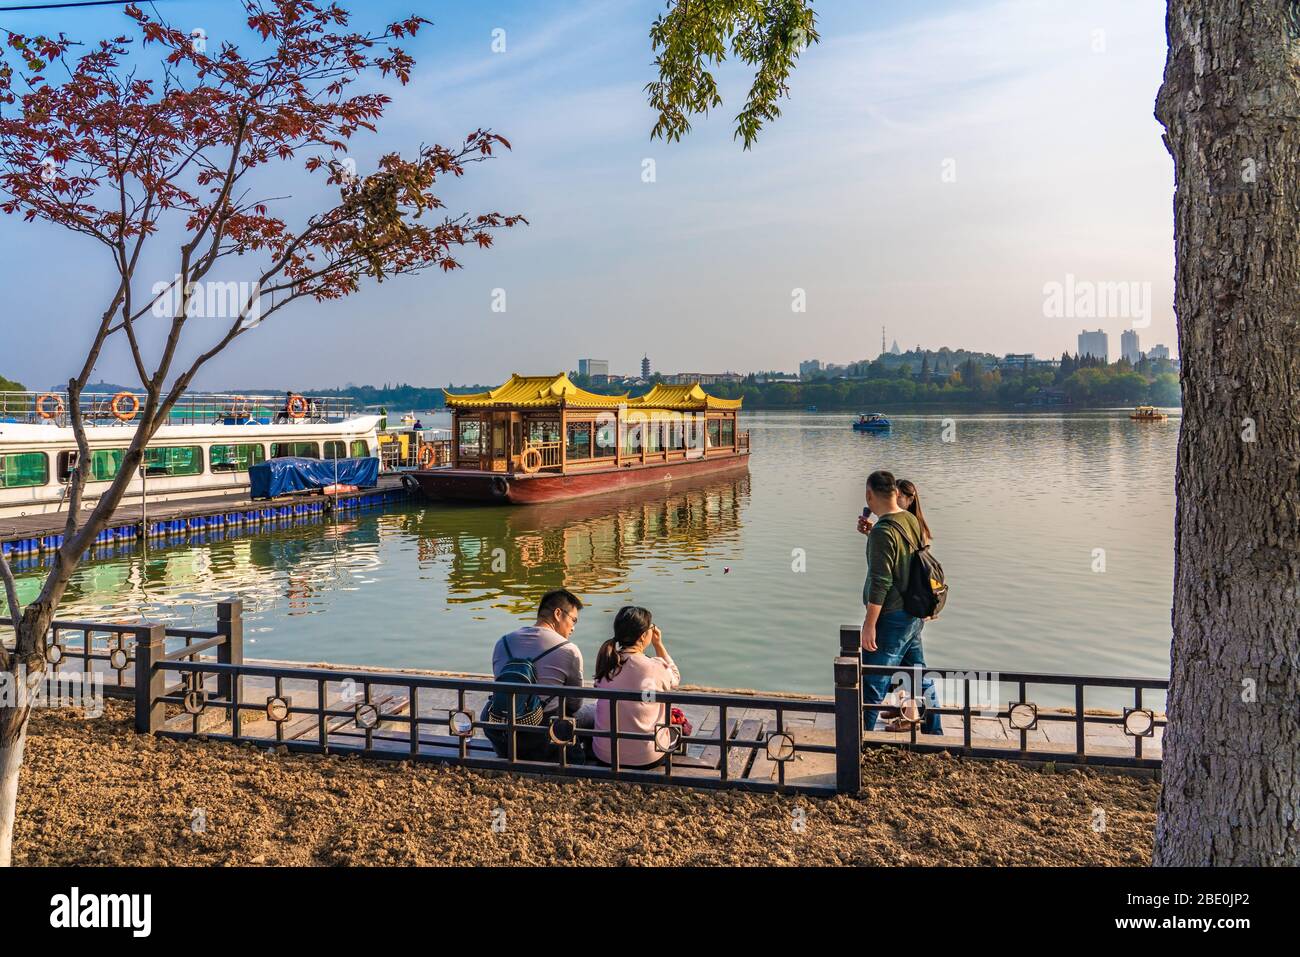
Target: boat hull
{"x": 501, "y": 488}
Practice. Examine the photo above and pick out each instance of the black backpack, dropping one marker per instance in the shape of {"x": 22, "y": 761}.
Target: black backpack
{"x": 926, "y": 591}
{"x": 528, "y": 707}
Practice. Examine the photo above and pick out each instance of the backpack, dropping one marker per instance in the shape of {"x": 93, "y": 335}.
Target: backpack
{"x": 528, "y": 707}
{"x": 926, "y": 591}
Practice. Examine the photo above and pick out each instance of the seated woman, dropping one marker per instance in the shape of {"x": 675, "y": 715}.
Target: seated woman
{"x": 622, "y": 665}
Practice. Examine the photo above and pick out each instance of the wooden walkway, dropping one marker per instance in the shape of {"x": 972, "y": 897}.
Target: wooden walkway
{"x": 232, "y": 509}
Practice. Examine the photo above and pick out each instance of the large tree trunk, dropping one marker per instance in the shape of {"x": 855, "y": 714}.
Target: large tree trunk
{"x": 1230, "y": 105}
{"x": 13, "y": 737}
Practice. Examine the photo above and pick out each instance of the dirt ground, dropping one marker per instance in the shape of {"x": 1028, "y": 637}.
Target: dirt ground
{"x": 94, "y": 792}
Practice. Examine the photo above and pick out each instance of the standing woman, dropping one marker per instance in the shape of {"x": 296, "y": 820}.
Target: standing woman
{"x": 622, "y": 665}
{"x": 909, "y": 500}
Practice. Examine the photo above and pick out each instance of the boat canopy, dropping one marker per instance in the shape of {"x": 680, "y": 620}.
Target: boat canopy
{"x": 543, "y": 392}
{"x": 534, "y": 392}
{"x": 681, "y": 398}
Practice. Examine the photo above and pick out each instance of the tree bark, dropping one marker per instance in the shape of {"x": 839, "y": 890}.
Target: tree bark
{"x": 13, "y": 738}
{"x": 1230, "y": 106}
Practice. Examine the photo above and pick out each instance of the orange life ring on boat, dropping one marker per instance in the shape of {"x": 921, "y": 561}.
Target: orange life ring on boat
{"x": 428, "y": 454}
{"x": 531, "y": 460}
{"x": 125, "y": 415}
{"x": 297, "y": 407}
{"x": 43, "y": 401}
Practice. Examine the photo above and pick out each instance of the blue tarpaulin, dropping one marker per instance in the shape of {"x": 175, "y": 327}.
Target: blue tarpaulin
{"x": 286, "y": 476}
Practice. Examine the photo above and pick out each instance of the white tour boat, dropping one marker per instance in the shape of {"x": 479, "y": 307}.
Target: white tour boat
{"x": 206, "y": 448}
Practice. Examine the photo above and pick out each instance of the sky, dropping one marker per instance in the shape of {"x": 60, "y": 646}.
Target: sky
{"x": 938, "y": 169}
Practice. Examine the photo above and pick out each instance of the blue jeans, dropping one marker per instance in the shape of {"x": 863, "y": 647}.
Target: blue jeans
{"x": 898, "y": 644}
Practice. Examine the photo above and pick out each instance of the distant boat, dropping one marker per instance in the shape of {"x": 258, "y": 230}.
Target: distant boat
{"x": 811, "y": 408}
{"x": 1148, "y": 413}
{"x": 871, "y": 422}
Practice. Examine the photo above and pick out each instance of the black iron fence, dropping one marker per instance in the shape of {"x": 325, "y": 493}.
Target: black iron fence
{"x": 188, "y": 682}
{"x": 1071, "y": 719}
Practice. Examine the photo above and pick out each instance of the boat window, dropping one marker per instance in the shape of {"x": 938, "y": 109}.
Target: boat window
{"x": 335, "y": 450}
{"x": 578, "y": 442}
{"x": 606, "y": 444}
{"x": 67, "y": 462}
{"x": 727, "y": 432}
{"x": 653, "y": 435}
{"x": 360, "y": 449}
{"x": 173, "y": 461}
{"x": 715, "y": 433}
{"x": 24, "y": 470}
{"x": 470, "y": 437}
{"x": 105, "y": 463}
{"x": 543, "y": 430}
{"x": 298, "y": 450}
{"x": 632, "y": 437}
{"x": 235, "y": 458}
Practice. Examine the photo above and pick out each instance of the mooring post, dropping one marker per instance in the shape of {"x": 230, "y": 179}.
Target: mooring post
{"x": 848, "y": 713}
{"x": 230, "y": 623}
{"x": 150, "y": 680}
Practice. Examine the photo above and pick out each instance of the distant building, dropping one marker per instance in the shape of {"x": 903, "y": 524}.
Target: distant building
{"x": 1129, "y": 346}
{"x": 593, "y": 367}
{"x": 1158, "y": 351}
{"x": 1095, "y": 344}
{"x": 645, "y": 367}
{"x": 703, "y": 378}
{"x": 1018, "y": 359}
{"x": 894, "y": 350}
{"x": 809, "y": 368}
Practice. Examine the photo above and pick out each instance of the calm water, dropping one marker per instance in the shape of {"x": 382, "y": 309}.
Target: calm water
{"x": 1020, "y": 506}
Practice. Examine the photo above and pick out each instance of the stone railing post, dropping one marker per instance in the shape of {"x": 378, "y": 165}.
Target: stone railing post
{"x": 150, "y": 680}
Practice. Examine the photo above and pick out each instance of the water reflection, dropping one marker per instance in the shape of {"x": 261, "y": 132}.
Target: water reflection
{"x": 508, "y": 558}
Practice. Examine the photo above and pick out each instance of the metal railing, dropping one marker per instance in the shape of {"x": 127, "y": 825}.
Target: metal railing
{"x": 110, "y": 649}
{"x": 102, "y": 409}
{"x": 1025, "y": 727}
{"x": 551, "y": 453}
{"x": 742, "y": 440}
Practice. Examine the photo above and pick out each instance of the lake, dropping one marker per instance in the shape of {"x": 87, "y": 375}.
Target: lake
{"x": 1055, "y": 531}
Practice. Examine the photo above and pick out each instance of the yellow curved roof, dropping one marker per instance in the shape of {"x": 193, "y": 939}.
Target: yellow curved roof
{"x": 681, "y": 398}
{"x": 534, "y": 392}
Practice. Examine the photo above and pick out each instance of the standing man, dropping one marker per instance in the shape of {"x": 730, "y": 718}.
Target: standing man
{"x": 890, "y": 636}
{"x": 556, "y": 661}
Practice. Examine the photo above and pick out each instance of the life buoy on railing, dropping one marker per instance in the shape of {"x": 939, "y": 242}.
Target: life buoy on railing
{"x": 531, "y": 460}
{"x": 130, "y": 411}
{"x": 43, "y": 406}
{"x": 297, "y": 407}
{"x": 428, "y": 455}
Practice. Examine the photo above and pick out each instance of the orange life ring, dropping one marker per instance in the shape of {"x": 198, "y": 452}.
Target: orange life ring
{"x": 297, "y": 407}
{"x": 531, "y": 460}
{"x": 428, "y": 454}
{"x": 42, "y": 402}
{"x": 119, "y": 413}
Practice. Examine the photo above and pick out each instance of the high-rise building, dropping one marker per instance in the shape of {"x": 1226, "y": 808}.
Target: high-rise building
{"x": 1095, "y": 344}
{"x": 593, "y": 367}
{"x": 1129, "y": 347}
{"x": 809, "y": 368}
{"x": 1158, "y": 351}
{"x": 645, "y": 367}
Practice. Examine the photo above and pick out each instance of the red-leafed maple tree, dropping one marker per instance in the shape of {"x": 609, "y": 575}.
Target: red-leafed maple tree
{"x": 90, "y": 143}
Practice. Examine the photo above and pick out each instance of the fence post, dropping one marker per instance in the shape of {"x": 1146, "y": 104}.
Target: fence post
{"x": 150, "y": 681}
{"x": 230, "y": 622}
{"x": 848, "y": 713}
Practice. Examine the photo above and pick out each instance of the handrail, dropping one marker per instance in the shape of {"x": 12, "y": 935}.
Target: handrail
{"x": 193, "y": 408}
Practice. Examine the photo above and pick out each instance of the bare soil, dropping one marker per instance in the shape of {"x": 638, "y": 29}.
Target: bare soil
{"x": 94, "y": 792}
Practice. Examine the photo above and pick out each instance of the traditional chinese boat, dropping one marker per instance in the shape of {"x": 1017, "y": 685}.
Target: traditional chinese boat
{"x": 543, "y": 439}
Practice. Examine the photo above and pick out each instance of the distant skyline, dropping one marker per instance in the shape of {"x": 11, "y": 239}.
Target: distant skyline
{"x": 939, "y": 169}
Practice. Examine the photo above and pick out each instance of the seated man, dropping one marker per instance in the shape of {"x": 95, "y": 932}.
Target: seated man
{"x": 543, "y": 654}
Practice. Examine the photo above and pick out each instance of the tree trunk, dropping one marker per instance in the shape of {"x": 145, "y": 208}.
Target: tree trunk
{"x": 1230, "y": 105}
{"x": 13, "y": 738}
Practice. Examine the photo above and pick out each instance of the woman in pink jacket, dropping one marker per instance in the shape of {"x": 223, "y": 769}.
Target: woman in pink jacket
{"x": 622, "y": 665}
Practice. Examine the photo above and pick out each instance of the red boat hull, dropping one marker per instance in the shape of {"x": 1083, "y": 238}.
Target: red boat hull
{"x": 502, "y": 488}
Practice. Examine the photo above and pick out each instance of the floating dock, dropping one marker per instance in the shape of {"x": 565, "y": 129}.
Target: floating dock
{"x": 29, "y": 537}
